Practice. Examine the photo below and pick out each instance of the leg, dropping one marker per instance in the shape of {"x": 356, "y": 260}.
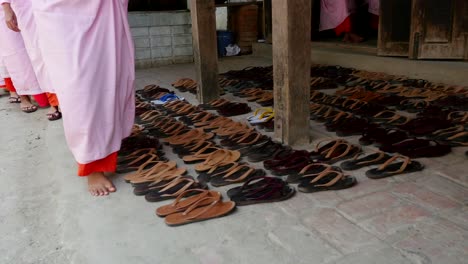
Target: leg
{"x": 54, "y": 112}
{"x": 98, "y": 183}
{"x": 14, "y": 97}
{"x": 26, "y": 105}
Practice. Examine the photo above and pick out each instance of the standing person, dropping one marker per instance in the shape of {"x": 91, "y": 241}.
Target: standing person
{"x": 22, "y": 18}
{"x": 339, "y": 16}
{"x": 87, "y": 47}
{"x": 15, "y": 58}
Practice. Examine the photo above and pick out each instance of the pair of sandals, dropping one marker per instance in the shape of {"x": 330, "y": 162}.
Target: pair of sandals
{"x": 167, "y": 98}
{"x": 210, "y": 157}
{"x": 389, "y": 165}
{"x": 195, "y": 205}
{"x": 333, "y": 151}
{"x": 186, "y": 85}
{"x": 261, "y": 116}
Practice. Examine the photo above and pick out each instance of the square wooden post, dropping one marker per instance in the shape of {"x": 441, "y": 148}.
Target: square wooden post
{"x": 205, "y": 48}
{"x": 291, "y": 66}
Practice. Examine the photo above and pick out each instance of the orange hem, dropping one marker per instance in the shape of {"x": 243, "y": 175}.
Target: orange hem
{"x": 107, "y": 164}
{"x": 344, "y": 27}
{"x": 9, "y": 85}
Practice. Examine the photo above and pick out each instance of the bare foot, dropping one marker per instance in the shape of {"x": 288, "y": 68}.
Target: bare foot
{"x": 99, "y": 184}
{"x": 354, "y": 38}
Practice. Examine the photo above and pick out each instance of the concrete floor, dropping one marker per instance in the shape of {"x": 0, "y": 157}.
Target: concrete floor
{"x": 46, "y": 215}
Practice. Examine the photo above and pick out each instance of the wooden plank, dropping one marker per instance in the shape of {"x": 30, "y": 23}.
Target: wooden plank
{"x": 205, "y": 48}
{"x": 291, "y": 69}
{"x": 438, "y": 29}
{"x": 394, "y": 28}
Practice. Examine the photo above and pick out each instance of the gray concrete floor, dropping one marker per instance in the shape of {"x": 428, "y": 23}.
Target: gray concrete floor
{"x": 46, "y": 215}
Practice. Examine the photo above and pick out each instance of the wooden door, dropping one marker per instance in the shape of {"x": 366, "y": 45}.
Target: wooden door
{"x": 394, "y": 28}
{"x": 439, "y": 29}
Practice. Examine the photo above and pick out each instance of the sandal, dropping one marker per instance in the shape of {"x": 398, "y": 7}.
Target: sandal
{"x": 261, "y": 190}
{"x": 236, "y": 174}
{"x": 185, "y": 200}
{"x": 173, "y": 189}
{"x": 390, "y": 168}
{"x": 327, "y": 181}
{"x": 198, "y": 211}
{"x": 372, "y": 159}
{"x": 29, "y": 109}
{"x": 310, "y": 170}
{"x": 218, "y": 157}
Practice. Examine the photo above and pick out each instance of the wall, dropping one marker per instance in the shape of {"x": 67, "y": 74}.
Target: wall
{"x": 161, "y": 38}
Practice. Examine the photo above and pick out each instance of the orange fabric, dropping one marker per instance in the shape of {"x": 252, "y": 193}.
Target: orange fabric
{"x": 107, "y": 164}
{"x": 53, "y": 100}
{"x": 41, "y": 99}
{"x": 344, "y": 27}
{"x": 9, "y": 85}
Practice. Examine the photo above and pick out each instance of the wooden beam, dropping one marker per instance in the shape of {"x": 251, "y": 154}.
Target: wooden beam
{"x": 205, "y": 48}
{"x": 291, "y": 63}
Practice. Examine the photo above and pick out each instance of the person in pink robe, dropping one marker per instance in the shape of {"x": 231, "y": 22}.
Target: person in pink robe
{"x": 88, "y": 49}
{"x": 338, "y": 15}
{"x": 20, "y": 12}
{"x": 16, "y": 60}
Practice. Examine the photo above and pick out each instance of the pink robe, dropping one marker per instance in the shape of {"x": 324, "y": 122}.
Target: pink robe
{"x": 3, "y": 74}
{"x": 334, "y": 12}
{"x": 88, "y": 49}
{"x": 27, "y": 25}
{"x": 15, "y": 57}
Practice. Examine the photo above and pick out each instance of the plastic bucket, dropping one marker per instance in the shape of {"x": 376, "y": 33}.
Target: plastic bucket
{"x": 225, "y": 38}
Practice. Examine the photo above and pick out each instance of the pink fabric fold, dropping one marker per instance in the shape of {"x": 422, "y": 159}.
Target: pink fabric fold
{"x": 88, "y": 49}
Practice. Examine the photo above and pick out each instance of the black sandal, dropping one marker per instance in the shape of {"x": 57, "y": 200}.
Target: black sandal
{"x": 29, "y": 109}
{"x": 54, "y": 116}
{"x": 390, "y": 169}
{"x": 327, "y": 181}
{"x": 261, "y": 190}
{"x": 14, "y": 100}
{"x": 372, "y": 159}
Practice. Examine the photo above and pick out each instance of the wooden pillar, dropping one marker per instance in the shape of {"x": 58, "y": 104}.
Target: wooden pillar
{"x": 205, "y": 48}
{"x": 291, "y": 63}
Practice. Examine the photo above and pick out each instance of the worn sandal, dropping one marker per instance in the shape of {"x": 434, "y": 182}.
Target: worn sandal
{"x": 389, "y": 168}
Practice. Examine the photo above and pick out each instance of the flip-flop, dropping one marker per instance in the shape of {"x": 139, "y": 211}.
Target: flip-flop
{"x": 372, "y": 159}
{"x": 327, "y": 181}
{"x": 265, "y": 191}
{"x": 312, "y": 169}
{"x": 185, "y": 200}
{"x": 197, "y": 213}
{"x": 240, "y": 173}
{"x": 218, "y": 157}
{"x": 173, "y": 189}
{"x": 389, "y": 168}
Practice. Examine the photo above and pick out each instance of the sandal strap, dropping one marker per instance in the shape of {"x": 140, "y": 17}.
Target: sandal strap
{"x": 338, "y": 177}
{"x": 205, "y": 208}
{"x": 307, "y": 167}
